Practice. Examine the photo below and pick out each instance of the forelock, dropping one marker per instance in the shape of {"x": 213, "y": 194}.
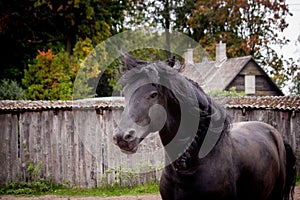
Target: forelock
{"x": 153, "y": 72}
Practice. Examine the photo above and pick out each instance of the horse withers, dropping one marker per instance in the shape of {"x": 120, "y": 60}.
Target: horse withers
{"x": 207, "y": 156}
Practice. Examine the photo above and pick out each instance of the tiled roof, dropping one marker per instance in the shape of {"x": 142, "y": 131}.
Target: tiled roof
{"x": 107, "y": 102}
{"x": 264, "y": 102}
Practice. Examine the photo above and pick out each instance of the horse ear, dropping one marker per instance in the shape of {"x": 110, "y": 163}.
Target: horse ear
{"x": 171, "y": 61}
{"x": 130, "y": 61}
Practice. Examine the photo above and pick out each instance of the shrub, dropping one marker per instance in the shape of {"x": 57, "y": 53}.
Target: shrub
{"x": 48, "y": 78}
{"x": 10, "y": 90}
{"x": 224, "y": 93}
{"x": 51, "y": 76}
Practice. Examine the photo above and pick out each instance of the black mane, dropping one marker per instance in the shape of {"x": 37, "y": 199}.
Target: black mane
{"x": 213, "y": 118}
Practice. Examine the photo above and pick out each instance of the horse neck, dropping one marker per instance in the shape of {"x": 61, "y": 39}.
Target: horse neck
{"x": 183, "y": 151}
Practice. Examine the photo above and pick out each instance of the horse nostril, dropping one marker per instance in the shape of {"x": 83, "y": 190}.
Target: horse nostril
{"x": 115, "y": 139}
{"x": 131, "y": 132}
{"x": 130, "y": 135}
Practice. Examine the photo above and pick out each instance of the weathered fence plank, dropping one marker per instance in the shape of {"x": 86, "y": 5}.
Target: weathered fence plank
{"x": 9, "y": 147}
{"x": 75, "y": 146}
{"x": 25, "y": 120}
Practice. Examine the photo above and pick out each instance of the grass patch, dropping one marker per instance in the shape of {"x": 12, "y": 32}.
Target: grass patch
{"x": 33, "y": 188}
{"x": 45, "y": 188}
{"x": 109, "y": 191}
{"x": 298, "y": 180}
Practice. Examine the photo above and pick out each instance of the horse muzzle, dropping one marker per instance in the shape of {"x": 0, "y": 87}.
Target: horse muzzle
{"x": 126, "y": 140}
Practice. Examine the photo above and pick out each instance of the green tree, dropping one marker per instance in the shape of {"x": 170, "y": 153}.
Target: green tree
{"x": 294, "y": 73}
{"x": 30, "y": 25}
{"x": 156, "y": 14}
{"x": 85, "y": 67}
{"x": 295, "y": 85}
{"x": 183, "y": 12}
{"x": 10, "y": 90}
{"x": 294, "y": 67}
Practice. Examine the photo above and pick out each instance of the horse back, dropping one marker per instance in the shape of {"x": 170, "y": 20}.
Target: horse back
{"x": 259, "y": 160}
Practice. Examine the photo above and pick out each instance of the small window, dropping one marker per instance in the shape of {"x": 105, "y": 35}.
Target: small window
{"x": 250, "y": 84}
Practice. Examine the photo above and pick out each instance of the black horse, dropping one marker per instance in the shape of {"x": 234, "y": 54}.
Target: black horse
{"x": 207, "y": 157}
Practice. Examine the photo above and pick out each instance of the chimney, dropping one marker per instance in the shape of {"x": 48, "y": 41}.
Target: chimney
{"x": 204, "y": 59}
{"x": 188, "y": 56}
{"x": 221, "y": 52}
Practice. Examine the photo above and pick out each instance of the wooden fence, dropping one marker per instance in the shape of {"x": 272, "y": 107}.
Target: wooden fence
{"x": 73, "y": 145}
{"x": 287, "y": 122}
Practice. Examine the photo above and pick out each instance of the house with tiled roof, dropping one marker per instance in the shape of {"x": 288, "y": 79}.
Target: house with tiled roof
{"x": 243, "y": 73}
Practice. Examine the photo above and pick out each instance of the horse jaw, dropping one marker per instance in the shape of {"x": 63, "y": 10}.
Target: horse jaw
{"x": 132, "y": 151}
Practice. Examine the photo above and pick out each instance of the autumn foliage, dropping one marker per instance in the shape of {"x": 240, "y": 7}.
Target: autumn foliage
{"x": 52, "y": 76}
{"x": 48, "y": 78}
{"x": 248, "y": 27}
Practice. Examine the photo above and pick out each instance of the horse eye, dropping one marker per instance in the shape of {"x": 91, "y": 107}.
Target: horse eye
{"x": 153, "y": 94}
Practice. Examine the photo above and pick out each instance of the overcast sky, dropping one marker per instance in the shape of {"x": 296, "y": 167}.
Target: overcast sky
{"x": 292, "y": 32}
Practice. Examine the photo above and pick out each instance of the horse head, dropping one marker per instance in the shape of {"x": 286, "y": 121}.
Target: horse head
{"x": 159, "y": 98}
{"x": 144, "y": 110}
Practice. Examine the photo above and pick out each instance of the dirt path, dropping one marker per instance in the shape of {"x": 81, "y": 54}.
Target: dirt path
{"x": 142, "y": 197}
{"x": 52, "y": 197}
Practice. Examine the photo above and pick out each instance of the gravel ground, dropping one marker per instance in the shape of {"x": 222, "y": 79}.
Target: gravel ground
{"x": 142, "y": 197}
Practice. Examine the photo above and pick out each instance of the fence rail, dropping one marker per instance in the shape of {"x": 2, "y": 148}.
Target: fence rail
{"x": 74, "y": 146}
